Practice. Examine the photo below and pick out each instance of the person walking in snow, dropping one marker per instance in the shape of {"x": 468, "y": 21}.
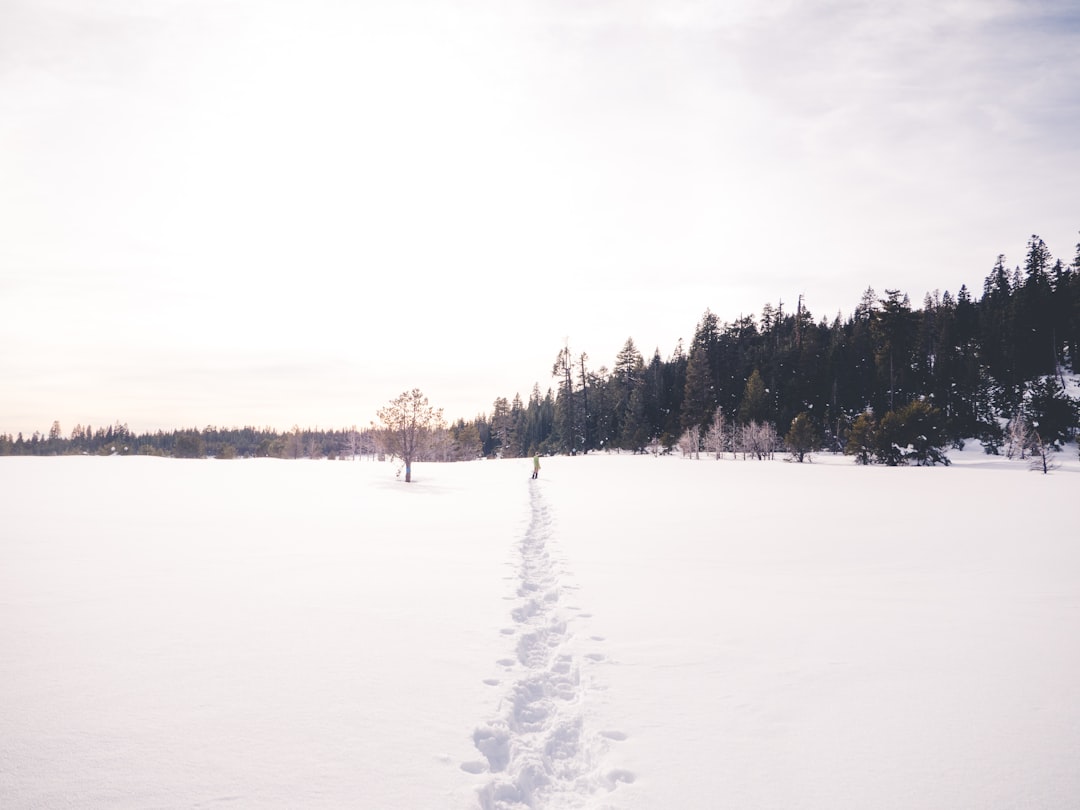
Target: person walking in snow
{"x": 536, "y": 465}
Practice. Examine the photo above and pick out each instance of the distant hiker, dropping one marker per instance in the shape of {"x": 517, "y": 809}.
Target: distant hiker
{"x": 536, "y": 465}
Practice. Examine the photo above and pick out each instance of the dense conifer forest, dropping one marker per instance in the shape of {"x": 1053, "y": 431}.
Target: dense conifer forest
{"x": 893, "y": 382}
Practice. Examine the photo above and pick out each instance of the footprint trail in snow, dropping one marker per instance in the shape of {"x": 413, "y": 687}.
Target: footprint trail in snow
{"x": 537, "y": 750}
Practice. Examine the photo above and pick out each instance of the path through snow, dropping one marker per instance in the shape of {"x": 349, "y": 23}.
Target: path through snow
{"x": 538, "y": 749}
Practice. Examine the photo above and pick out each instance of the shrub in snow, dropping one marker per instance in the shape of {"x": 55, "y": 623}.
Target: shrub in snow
{"x": 862, "y": 438}
{"x": 913, "y": 434}
{"x": 801, "y": 437}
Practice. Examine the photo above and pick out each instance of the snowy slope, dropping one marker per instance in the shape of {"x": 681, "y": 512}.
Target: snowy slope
{"x": 625, "y": 632}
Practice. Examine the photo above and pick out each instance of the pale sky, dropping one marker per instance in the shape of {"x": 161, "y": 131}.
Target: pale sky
{"x": 274, "y": 212}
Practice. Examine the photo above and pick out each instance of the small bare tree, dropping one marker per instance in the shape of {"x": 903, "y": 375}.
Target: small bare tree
{"x": 407, "y": 424}
{"x": 757, "y": 440}
{"x": 1018, "y": 437}
{"x": 1040, "y": 456}
{"x": 353, "y": 443}
{"x": 715, "y": 438}
{"x": 690, "y": 442}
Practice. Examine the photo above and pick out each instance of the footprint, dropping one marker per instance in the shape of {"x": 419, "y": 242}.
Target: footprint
{"x": 595, "y": 656}
{"x": 506, "y": 662}
{"x": 508, "y": 631}
{"x": 491, "y": 681}
{"x": 494, "y": 743}
{"x": 598, "y": 638}
{"x": 613, "y": 735}
{"x": 615, "y": 777}
{"x": 473, "y": 767}
{"x": 585, "y": 615}
{"x": 525, "y": 612}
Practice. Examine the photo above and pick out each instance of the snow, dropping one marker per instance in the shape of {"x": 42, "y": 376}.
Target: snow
{"x": 625, "y": 632}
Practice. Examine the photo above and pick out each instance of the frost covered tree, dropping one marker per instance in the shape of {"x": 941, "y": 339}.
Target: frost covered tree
{"x": 1018, "y": 436}
{"x": 407, "y": 425}
{"x": 756, "y": 440}
{"x": 716, "y": 435}
{"x": 690, "y": 442}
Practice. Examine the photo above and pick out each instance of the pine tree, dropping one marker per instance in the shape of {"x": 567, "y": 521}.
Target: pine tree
{"x": 1036, "y": 353}
{"x": 565, "y": 407}
{"x": 753, "y": 406}
{"x": 801, "y": 437}
{"x": 628, "y": 383}
{"x": 862, "y": 438}
{"x": 501, "y": 428}
{"x": 923, "y": 435}
{"x": 893, "y": 328}
{"x": 702, "y": 372}
{"x": 515, "y": 439}
{"x": 699, "y": 397}
{"x": 1051, "y": 413}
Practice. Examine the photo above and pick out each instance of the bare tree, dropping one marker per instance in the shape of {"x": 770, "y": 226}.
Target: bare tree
{"x": 716, "y": 434}
{"x": 1018, "y": 437}
{"x": 1040, "y": 456}
{"x": 352, "y": 442}
{"x": 690, "y": 442}
{"x": 407, "y": 425}
{"x": 757, "y": 439}
{"x": 294, "y": 443}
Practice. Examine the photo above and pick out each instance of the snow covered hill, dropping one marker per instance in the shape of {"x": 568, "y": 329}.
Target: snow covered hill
{"x": 625, "y": 632}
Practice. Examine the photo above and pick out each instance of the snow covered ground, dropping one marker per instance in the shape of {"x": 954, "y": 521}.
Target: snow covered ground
{"x": 625, "y": 632}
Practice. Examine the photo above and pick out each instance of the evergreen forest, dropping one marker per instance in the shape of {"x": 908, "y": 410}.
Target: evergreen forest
{"x": 892, "y": 382}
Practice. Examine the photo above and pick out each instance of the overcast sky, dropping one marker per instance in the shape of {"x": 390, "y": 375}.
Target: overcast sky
{"x": 263, "y": 212}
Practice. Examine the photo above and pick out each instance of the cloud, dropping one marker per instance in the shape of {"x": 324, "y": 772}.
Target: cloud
{"x": 410, "y": 190}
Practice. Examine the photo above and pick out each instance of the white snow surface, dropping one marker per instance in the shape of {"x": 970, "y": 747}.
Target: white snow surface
{"x": 625, "y": 632}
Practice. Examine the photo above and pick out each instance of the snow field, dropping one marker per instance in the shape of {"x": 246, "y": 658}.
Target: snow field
{"x": 829, "y": 636}
{"x": 276, "y": 634}
{"x": 625, "y": 632}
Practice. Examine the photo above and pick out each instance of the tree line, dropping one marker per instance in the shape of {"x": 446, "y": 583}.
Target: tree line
{"x": 246, "y": 442}
{"x": 890, "y": 383}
